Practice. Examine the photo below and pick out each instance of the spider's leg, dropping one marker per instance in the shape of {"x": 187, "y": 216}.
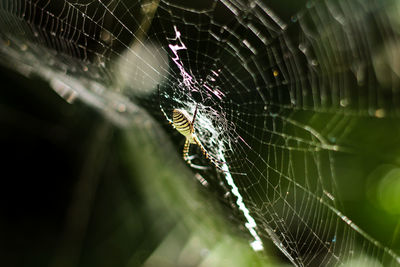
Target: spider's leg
{"x": 162, "y": 110}
{"x": 169, "y": 120}
{"x": 194, "y": 156}
{"x": 215, "y": 161}
{"x": 203, "y": 150}
{"x": 195, "y": 113}
{"x": 197, "y": 141}
{"x": 199, "y": 167}
{"x": 188, "y": 158}
{"x": 186, "y": 151}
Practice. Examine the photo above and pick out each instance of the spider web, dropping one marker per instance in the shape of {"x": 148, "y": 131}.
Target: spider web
{"x": 281, "y": 102}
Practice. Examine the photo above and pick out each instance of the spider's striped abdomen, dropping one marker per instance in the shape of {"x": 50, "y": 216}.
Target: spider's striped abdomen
{"x": 182, "y": 123}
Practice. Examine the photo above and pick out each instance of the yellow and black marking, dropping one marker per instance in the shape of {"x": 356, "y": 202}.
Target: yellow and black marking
{"x": 201, "y": 147}
{"x": 186, "y": 151}
{"x": 182, "y": 123}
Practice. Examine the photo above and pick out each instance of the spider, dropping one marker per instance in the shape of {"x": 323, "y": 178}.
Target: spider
{"x": 184, "y": 125}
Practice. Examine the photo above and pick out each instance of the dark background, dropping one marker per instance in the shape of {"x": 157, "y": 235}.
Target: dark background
{"x": 62, "y": 183}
